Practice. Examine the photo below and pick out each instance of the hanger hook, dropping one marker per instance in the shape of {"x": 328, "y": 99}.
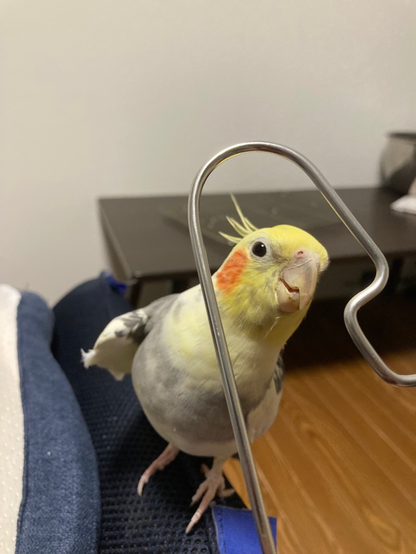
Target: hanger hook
{"x": 350, "y": 313}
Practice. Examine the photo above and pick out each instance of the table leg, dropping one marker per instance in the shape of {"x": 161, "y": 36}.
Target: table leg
{"x": 179, "y": 285}
{"x": 395, "y": 274}
{"x": 135, "y": 291}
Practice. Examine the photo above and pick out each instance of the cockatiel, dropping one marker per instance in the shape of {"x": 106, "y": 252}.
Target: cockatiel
{"x": 264, "y": 289}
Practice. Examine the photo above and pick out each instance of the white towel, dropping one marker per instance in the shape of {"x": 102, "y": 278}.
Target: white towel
{"x": 406, "y": 204}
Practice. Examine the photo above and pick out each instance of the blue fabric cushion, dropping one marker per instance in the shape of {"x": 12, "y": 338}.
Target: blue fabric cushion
{"x": 60, "y": 509}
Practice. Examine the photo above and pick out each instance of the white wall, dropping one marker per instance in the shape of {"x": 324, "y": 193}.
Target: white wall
{"x": 125, "y": 97}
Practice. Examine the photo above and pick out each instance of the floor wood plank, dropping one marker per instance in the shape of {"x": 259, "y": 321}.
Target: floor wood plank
{"x": 398, "y": 432}
{"x": 348, "y": 468}
{"x": 308, "y": 523}
{"x": 359, "y": 457}
{"x": 380, "y": 396}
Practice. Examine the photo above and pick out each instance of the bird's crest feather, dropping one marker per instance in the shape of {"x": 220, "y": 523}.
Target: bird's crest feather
{"x": 243, "y": 229}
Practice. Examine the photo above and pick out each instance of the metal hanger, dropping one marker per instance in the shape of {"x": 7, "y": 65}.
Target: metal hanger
{"x": 350, "y": 313}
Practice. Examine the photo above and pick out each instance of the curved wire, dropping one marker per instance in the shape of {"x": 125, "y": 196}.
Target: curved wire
{"x": 350, "y": 313}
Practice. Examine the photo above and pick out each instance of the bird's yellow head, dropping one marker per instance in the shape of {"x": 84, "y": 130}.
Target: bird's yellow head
{"x": 270, "y": 276}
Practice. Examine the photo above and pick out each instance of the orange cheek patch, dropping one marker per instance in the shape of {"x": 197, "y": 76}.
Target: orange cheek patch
{"x": 231, "y": 271}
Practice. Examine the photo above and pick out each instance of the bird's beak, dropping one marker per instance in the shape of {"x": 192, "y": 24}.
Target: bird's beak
{"x": 297, "y": 282}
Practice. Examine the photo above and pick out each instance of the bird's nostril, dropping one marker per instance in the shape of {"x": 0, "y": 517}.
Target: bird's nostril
{"x": 300, "y": 253}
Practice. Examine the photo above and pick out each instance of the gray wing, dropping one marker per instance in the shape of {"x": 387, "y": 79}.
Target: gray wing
{"x": 117, "y": 344}
{"x": 278, "y": 375}
{"x": 262, "y": 417}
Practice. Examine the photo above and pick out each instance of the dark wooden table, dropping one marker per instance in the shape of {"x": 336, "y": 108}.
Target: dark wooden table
{"x": 146, "y": 245}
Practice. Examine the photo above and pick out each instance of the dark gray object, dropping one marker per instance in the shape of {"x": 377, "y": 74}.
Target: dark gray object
{"x": 398, "y": 162}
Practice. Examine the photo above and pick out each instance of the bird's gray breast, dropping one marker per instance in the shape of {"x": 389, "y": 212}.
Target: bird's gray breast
{"x": 174, "y": 402}
{"x": 182, "y": 410}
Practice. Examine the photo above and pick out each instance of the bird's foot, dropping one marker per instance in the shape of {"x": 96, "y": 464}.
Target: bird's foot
{"x": 167, "y": 456}
{"x": 214, "y": 485}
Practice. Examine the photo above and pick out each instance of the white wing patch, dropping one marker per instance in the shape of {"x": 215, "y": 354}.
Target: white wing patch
{"x": 118, "y": 343}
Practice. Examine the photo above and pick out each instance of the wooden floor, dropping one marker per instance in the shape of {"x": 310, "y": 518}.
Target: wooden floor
{"x": 338, "y": 467}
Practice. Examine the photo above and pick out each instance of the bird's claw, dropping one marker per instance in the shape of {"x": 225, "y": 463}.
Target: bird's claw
{"x": 143, "y": 480}
{"x": 214, "y": 485}
{"x": 167, "y": 456}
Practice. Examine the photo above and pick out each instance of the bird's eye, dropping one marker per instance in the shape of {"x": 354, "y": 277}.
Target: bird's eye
{"x": 259, "y": 249}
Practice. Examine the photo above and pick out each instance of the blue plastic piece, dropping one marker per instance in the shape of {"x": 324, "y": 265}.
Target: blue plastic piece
{"x": 236, "y": 531}
{"x": 117, "y": 286}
